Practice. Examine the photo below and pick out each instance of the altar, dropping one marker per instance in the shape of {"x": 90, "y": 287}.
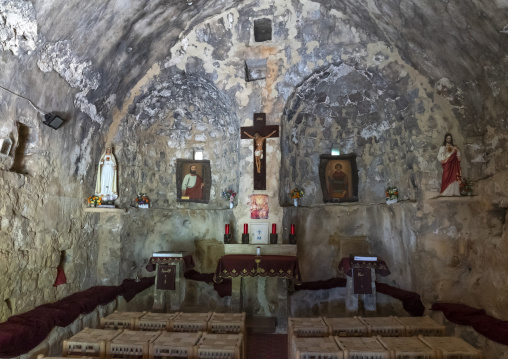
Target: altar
{"x": 276, "y": 262}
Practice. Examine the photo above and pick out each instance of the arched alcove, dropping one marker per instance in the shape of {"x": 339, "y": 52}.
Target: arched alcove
{"x": 361, "y": 112}
{"x": 176, "y": 116}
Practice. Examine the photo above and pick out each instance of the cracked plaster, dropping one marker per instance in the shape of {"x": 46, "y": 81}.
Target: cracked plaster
{"x": 18, "y": 26}
{"x": 455, "y": 91}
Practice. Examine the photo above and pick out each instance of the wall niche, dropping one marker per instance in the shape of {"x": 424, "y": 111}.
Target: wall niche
{"x": 5, "y": 146}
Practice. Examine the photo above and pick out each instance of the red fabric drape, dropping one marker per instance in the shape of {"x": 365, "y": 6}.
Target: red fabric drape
{"x": 451, "y": 171}
{"x": 60, "y": 276}
{"x": 490, "y": 327}
{"x": 223, "y": 288}
{"x": 411, "y": 301}
{"x": 23, "y": 332}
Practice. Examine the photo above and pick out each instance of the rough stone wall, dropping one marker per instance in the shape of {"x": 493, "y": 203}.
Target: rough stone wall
{"x": 18, "y": 26}
{"x": 462, "y": 246}
{"x": 41, "y": 219}
{"x": 379, "y": 118}
{"x": 177, "y": 115}
{"x": 122, "y": 83}
{"x": 388, "y": 229}
{"x": 148, "y": 231}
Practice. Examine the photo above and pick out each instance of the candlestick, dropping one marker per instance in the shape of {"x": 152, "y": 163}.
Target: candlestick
{"x": 273, "y": 238}
{"x": 245, "y": 238}
{"x": 245, "y": 228}
{"x": 292, "y": 229}
{"x": 274, "y": 228}
{"x": 258, "y": 251}
{"x": 226, "y": 230}
{"x": 228, "y": 238}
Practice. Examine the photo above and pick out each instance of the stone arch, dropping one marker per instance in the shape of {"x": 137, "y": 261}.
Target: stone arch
{"x": 178, "y": 114}
{"x": 361, "y": 111}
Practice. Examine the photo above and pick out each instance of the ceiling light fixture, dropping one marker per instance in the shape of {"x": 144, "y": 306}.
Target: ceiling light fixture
{"x": 52, "y": 121}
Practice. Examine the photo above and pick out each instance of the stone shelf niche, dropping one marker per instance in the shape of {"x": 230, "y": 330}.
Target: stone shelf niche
{"x": 109, "y": 241}
{"x": 105, "y": 210}
{"x": 266, "y": 249}
{"x": 452, "y": 199}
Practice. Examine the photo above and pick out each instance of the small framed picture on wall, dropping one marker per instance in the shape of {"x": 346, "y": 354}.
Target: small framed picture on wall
{"x": 193, "y": 180}
{"x": 339, "y": 178}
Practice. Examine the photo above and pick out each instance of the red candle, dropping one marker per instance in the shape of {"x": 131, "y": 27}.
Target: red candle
{"x": 292, "y": 229}
{"x": 274, "y": 228}
{"x": 227, "y": 229}
{"x": 245, "y": 228}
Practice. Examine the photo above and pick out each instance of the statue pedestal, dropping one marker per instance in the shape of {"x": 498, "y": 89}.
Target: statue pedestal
{"x": 109, "y": 230}
{"x": 104, "y": 210}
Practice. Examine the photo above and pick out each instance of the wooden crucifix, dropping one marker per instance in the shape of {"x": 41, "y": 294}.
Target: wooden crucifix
{"x": 259, "y": 132}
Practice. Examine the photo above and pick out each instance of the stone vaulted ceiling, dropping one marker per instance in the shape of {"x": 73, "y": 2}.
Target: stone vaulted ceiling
{"x": 461, "y": 46}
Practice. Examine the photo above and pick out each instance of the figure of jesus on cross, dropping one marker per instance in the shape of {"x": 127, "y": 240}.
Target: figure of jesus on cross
{"x": 258, "y": 153}
{"x": 259, "y": 133}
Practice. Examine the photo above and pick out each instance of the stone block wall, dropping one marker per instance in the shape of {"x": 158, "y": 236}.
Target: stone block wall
{"x": 39, "y": 231}
{"x": 385, "y": 82}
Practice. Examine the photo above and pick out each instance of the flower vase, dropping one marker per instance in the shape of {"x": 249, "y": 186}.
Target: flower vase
{"x": 295, "y": 202}
{"x": 231, "y": 205}
{"x": 391, "y": 201}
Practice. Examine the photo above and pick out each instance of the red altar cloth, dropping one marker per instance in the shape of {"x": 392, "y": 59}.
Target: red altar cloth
{"x": 188, "y": 262}
{"x": 361, "y": 274}
{"x": 242, "y": 265}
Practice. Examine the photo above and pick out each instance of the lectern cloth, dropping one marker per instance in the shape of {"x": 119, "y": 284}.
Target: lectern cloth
{"x": 360, "y": 271}
{"x": 346, "y": 265}
{"x": 188, "y": 262}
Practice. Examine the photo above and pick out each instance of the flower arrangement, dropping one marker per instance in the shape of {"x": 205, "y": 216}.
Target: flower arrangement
{"x": 296, "y": 193}
{"x": 392, "y": 193}
{"x": 229, "y": 195}
{"x": 142, "y": 201}
{"x": 94, "y": 201}
{"x": 466, "y": 186}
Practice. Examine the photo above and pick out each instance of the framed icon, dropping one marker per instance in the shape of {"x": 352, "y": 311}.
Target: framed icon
{"x": 339, "y": 178}
{"x": 193, "y": 180}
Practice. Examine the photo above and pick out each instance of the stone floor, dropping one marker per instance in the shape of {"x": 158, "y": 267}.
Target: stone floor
{"x": 267, "y": 346}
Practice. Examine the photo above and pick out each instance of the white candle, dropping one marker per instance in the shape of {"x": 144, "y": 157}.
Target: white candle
{"x": 258, "y": 251}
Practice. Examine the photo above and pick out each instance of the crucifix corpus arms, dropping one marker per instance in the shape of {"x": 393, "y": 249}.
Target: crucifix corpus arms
{"x": 258, "y": 153}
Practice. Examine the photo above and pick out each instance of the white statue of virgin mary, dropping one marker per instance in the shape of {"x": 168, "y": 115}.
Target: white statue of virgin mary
{"x": 106, "y": 177}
